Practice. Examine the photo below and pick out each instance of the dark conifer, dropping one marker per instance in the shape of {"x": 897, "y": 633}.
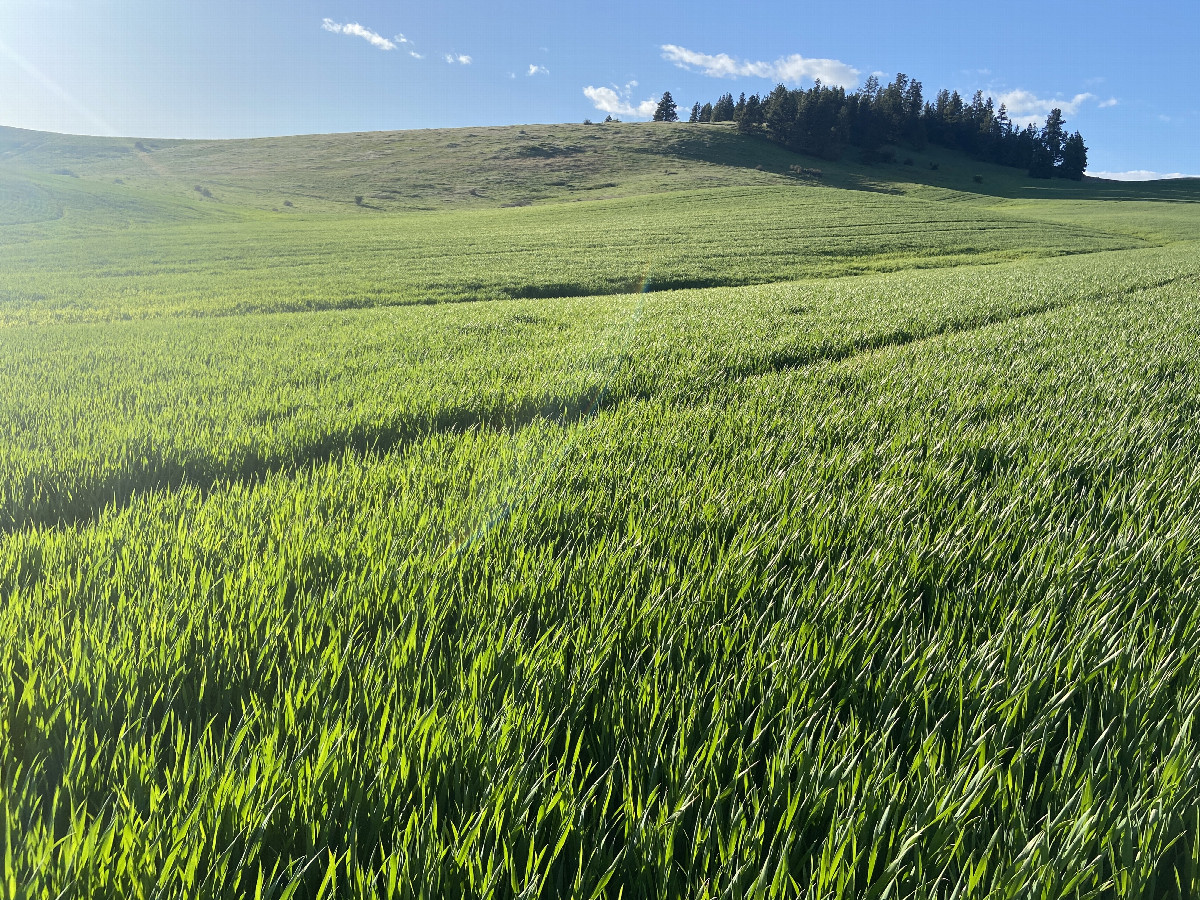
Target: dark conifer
{"x": 824, "y": 120}
{"x": 667, "y": 111}
{"x": 751, "y": 119}
{"x": 723, "y": 109}
{"x": 1054, "y": 136}
{"x": 1074, "y": 162}
{"x": 1041, "y": 165}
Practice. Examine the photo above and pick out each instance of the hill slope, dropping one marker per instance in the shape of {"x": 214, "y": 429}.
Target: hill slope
{"x": 476, "y": 167}
{"x": 203, "y": 228}
{"x": 861, "y": 563}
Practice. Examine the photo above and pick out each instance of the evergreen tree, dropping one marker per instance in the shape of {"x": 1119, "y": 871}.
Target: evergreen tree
{"x": 723, "y": 109}
{"x": 870, "y": 90}
{"x": 780, "y": 114}
{"x": 1041, "y": 165}
{"x": 696, "y": 110}
{"x": 667, "y": 111}
{"x": 751, "y": 119}
{"x": 1074, "y": 162}
{"x": 914, "y": 126}
{"x": 1054, "y": 136}
{"x": 823, "y": 120}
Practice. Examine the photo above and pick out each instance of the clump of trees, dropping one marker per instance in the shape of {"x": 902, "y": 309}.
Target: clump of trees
{"x": 823, "y": 121}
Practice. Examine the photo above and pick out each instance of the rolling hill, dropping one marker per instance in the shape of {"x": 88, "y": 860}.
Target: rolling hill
{"x": 593, "y": 511}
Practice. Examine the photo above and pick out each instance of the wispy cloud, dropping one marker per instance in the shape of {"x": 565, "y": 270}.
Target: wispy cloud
{"x": 1109, "y": 103}
{"x": 1139, "y": 175}
{"x": 1025, "y": 106}
{"x": 535, "y": 69}
{"x": 617, "y": 102}
{"x": 461, "y": 58}
{"x": 789, "y": 69}
{"x": 353, "y": 28}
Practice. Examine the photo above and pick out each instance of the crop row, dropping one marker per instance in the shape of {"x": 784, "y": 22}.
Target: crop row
{"x": 901, "y": 606}
{"x": 94, "y": 415}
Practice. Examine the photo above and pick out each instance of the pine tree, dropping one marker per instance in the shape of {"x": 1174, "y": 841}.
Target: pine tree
{"x": 751, "y": 119}
{"x": 824, "y": 120}
{"x": 723, "y": 109}
{"x": 914, "y": 106}
{"x": 780, "y": 114}
{"x": 696, "y": 111}
{"x": 1054, "y": 136}
{"x": 667, "y": 111}
{"x": 1074, "y": 162}
{"x": 1041, "y": 165}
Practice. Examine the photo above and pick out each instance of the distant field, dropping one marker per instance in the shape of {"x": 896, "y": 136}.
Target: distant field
{"x": 776, "y": 539}
{"x": 731, "y": 236}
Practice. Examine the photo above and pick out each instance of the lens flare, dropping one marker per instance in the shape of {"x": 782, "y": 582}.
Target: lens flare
{"x": 68, "y": 99}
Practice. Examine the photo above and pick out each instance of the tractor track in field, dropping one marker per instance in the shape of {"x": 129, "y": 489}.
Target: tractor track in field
{"x": 158, "y": 475}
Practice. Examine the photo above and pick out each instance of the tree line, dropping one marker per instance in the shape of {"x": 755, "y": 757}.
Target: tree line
{"x": 823, "y": 121}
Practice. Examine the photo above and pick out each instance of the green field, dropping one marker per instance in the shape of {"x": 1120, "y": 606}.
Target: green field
{"x": 593, "y": 512}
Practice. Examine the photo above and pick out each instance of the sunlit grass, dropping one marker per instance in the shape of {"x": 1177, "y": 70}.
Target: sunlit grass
{"x": 871, "y": 586}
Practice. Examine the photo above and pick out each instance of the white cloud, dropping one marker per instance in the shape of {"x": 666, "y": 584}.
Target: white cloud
{"x": 415, "y": 55}
{"x": 1138, "y": 175}
{"x": 537, "y": 70}
{"x": 613, "y": 102}
{"x": 353, "y": 28}
{"x": 461, "y": 58}
{"x": 789, "y": 69}
{"x": 1025, "y": 106}
{"x": 1110, "y": 102}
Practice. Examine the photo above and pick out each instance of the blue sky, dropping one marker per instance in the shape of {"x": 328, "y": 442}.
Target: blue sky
{"x": 1120, "y": 71}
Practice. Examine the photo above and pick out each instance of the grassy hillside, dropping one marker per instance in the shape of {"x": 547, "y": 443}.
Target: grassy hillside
{"x": 668, "y": 207}
{"x": 738, "y": 532}
{"x": 488, "y": 167}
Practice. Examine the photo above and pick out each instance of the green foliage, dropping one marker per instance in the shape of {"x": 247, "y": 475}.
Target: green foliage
{"x": 751, "y": 119}
{"x": 824, "y": 120}
{"x": 723, "y": 110}
{"x": 1074, "y": 158}
{"x": 863, "y": 586}
{"x": 666, "y": 111}
{"x": 714, "y": 237}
